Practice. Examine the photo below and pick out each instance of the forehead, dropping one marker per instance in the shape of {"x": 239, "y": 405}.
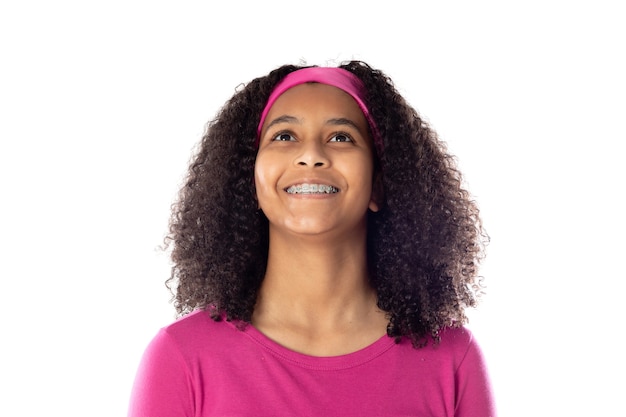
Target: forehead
{"x": 315, "y": 97}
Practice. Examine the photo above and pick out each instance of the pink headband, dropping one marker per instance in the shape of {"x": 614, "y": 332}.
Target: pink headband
{"x": 336, "y": 77}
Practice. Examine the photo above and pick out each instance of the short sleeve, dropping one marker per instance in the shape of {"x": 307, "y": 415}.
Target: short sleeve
{"x": 474, "y": 393}
{"x": 162, "y": 386}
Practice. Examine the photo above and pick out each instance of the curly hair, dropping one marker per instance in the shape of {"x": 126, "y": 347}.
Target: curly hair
{"x": 424, "y": 245}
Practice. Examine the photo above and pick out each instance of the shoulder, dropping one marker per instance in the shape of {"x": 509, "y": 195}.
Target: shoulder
{"x": 172, "y": 367}
{"x": 457, "y": 336}
{"x": 457, "y": 339}
{"x": 192, "y": 342}
{"x": 191, "y": 323}
{"x": 198, "y": 330}
{"x": 195, "y": 336}
{"x": 473, "y": 386}
{"x": 461, "y": 345}
{"x": 453, "y": 348}
{"x": 452, "y": 341}
{"x": 466, "y": 358}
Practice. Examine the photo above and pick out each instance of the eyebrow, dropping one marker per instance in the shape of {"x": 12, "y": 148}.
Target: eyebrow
{"x": 283, "y": 119}
{"x": 342, "y": 121}
{"x": 291, "y": 119}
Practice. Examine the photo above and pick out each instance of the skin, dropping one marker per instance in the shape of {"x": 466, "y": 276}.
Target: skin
{"x": 315, "y": 297}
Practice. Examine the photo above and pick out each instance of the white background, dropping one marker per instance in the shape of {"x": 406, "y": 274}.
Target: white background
{"x": 101, "y": 104}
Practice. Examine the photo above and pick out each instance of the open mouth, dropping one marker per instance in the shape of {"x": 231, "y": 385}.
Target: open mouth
{"x": 312, "y": 189}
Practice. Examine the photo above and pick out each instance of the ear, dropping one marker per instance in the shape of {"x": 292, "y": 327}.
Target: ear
{"x": 378, "y": 193}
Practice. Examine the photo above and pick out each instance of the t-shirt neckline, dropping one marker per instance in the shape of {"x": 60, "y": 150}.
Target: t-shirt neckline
{"x": 345, "y": 361}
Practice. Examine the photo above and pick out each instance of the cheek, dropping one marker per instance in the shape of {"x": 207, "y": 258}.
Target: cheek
{"x": 360, "y": 171}
{"x": 264, "y": 177}
{"x": 365, "y": 179}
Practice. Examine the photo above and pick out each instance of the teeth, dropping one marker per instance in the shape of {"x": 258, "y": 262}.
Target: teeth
{"x": 312, "y": 189}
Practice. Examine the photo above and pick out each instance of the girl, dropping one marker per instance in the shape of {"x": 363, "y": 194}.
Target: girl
{"x": 324, "y": 255}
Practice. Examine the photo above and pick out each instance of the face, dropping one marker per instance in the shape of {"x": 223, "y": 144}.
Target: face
{"x": 314, "y": 168}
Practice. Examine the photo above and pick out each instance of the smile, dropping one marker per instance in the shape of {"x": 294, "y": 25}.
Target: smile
{"x": 312, "y": 189}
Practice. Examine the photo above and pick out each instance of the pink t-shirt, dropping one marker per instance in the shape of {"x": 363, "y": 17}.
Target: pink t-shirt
{"x": 198, "y": 367}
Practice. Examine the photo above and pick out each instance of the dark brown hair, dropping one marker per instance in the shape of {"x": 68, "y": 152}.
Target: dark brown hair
{"x": 424, "y": 245}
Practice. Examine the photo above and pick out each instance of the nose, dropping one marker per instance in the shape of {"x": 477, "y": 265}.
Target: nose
{"x": 312, "y": 155}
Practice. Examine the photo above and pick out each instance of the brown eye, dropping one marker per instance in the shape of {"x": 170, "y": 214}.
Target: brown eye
{"x": 340, "y": 137}
{"x": 284, "y": 137}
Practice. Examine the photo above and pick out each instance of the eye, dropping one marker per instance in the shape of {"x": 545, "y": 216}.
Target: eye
{"x": 284, "y": 137}
{"x": 340, "y": 137}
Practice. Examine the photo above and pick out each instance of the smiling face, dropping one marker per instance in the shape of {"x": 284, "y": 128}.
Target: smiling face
{"x": 314, "y": 167}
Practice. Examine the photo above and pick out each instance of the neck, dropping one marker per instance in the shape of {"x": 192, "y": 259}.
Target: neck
{"x": 320, "y": 277}
{"x": 318, "y": 290}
